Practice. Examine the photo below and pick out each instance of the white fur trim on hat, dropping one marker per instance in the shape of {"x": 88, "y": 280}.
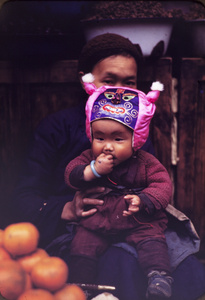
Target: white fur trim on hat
{"x": 88, "y": 78}
{"x": 157, "y": 86}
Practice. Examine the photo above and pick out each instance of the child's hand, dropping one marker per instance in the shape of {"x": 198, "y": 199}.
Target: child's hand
{"x": 134, "y": 205}
{"x": 104, "y": 164}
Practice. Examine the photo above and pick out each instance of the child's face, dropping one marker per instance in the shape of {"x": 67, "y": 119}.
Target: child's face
{"x": 112, "y": 138}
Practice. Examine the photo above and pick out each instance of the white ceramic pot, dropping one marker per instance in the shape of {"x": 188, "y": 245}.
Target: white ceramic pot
{"x": 145, "y": 32}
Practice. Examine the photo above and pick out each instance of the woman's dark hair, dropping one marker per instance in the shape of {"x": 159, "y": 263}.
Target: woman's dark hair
{"x": 103, "y": 46}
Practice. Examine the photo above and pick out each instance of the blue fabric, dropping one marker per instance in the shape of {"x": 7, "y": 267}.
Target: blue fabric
{"x": 41, "y": 192}
{"x": 181, "y": 237}
{"x": 121, "y": 269}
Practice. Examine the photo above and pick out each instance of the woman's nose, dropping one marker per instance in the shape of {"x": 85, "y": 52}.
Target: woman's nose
{"x": 119, "y": 83}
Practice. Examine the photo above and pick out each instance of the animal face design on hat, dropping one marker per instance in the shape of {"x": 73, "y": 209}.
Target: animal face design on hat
{"x": 119, "y": 104}
{"x": 131, "y": 107}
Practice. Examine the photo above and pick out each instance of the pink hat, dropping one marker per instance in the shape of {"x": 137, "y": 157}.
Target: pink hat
{"x": 131, "y": 107}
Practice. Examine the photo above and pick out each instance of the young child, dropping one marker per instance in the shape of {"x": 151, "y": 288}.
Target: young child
{"x": 137, "y": 186}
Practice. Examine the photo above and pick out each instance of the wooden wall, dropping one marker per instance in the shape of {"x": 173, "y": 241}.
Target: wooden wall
{"x": 27, "y": 95}
{"x": 30, "y": 92}
{"x": 191, "y": 150}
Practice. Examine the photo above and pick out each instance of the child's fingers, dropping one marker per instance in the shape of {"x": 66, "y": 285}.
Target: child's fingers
{"x": 132, "y": 200}
{"x": 130, "y": 211}
{"x": 126, "y": 213}
{"x": 102, "y": 158}
{"x": 127, "y": 197}
{"x": 133, "y": 205}
{"x": 133, "y": 208}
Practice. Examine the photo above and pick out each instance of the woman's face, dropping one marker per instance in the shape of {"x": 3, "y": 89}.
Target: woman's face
{"x": 116, "y": 70}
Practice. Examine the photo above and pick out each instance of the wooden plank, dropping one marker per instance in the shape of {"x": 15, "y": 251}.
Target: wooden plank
{"x": 191, "y": 165}
{"x": 28, "y": 93}
{"x": 160, "y": 70}
{"x": 48, "y": 98}
{"x": 5, "y": 72}
{"x": 49, "y": 72}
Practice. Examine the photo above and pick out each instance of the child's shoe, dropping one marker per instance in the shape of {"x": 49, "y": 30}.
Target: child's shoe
{"x": 159, "y": 285}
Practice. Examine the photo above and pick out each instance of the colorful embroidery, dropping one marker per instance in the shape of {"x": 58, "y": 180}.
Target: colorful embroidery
{"x": 119, "y": 103}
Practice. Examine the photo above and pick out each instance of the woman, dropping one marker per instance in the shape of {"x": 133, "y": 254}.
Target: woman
{"x": 42, "y": 197}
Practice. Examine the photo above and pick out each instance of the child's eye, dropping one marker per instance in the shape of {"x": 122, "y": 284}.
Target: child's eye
{"x": 99, "y": 139}
{"x": 119, "y": 139}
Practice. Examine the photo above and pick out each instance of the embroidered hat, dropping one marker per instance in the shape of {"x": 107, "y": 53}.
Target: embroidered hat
{"x": 131, "y": 107}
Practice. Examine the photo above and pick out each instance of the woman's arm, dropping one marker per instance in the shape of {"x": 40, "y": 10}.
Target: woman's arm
{"x": 41, "y": 192}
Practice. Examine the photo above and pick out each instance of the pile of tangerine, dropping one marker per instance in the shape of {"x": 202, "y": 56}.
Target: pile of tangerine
{"x": 28, "y": 272}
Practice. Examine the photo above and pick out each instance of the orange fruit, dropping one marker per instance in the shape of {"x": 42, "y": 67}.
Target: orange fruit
{"x": 20, "y": 238}
{"x": 36, "y": 294}
{"x": 71, "y": 292}
{"x": 12, "y": 279}
{"x": 1, "y": 237}
{"x": 50, "y": 273}
{"x": 29, "y": 261}
{"x": 4, "y": 254}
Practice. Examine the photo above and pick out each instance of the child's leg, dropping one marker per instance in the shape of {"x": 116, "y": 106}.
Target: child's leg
{"x": 85, "y": 249}
{"x": 154, "y": 260}
{"x": 82, "y": 269}
{"x": 153, "y": 255}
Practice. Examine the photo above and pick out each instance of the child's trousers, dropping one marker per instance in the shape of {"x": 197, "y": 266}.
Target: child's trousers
{"x": 87, "y": 246}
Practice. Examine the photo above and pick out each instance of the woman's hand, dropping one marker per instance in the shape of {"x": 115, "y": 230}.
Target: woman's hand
{"x": 75, "y": 209}
{"x": 134, "y": 204}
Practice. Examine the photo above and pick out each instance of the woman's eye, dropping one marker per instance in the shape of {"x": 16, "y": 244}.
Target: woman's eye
{"x": 130, "y": 83}
{"x": 108, "y": 82}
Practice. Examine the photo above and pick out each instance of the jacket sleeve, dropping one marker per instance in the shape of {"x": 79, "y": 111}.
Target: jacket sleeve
{"x": 158, "y": 191}
{"x": 74, "y": 170}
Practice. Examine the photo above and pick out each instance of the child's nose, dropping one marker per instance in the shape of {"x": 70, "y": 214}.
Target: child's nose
{"x": 108, "y": 147}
